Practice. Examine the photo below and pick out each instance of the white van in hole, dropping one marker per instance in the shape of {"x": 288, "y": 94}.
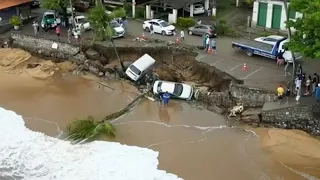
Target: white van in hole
{"x": 137, "y": 69}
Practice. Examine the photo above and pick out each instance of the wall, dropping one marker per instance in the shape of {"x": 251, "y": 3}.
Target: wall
{"x": 251, "y": 97}
{"x": 44, "y": 46}
{"x": 269, "y": 14}
{"x": 304, "y": 117}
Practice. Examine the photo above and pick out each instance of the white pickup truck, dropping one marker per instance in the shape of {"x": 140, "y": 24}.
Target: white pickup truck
{"x": 81, "y": 22}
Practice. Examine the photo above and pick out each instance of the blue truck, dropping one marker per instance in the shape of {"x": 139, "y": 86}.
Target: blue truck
{"x": 253, "y": 47}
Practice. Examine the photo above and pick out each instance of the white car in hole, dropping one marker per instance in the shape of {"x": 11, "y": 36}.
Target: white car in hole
{"x": 159, "y": 26}
{"x": 272, "y": 39}
{"x": 177, "y": 90}
{"x": 197, "y": 8}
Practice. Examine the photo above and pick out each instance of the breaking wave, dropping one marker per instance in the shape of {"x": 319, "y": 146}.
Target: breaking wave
{"x": 29, "y": 155}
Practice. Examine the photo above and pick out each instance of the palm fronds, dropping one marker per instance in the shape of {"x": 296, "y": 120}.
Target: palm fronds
{"x": 89, "y": 129}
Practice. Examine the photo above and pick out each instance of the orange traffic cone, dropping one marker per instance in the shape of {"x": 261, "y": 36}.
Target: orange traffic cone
{"x": 244, "y": 67}
{"x": 210, "y": 51}
{"x": 177, "y": 40}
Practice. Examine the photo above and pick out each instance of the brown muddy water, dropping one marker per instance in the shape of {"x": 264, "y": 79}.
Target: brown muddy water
{"x": 193, "y": 143}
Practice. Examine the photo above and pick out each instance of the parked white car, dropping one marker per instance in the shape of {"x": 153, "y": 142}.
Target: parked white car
{"x": 81, "y": 22}
{"x": 117, "y": 29}
{"x": 159, "y": 26}
{"x": 197, "y": 8}
{"x": 272, "y": 39}
{"x": 177, "y": 90}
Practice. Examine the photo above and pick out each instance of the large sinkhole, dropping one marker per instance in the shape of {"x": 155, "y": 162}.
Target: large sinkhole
{"x": 172, "y": 64}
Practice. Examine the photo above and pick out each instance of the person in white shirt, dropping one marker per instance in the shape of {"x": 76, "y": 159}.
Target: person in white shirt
{"x": 207, "y": 44}
{"x": 182, "y": 35}
{"x": 298, "y": 82}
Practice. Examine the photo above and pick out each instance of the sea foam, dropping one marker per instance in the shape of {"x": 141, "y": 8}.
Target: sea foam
{"x": 29, "y": 155}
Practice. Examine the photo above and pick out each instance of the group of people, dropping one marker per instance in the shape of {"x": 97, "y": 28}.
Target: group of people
{"x": 209, "y": 43}
{"x": 304, "y": 85}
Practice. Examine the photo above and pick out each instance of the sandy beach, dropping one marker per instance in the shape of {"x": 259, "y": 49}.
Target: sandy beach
{"x": 193, "y": 143}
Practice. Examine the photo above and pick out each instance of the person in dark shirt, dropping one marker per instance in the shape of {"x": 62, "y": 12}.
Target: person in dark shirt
{"x": 280, "y": 59}
{"x": 315, "y": 81}
{"x": 288, "y": 94}
{"x": 165, "y": 98}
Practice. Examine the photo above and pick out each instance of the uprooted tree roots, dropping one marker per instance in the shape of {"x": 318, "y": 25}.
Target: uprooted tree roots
{"x": 82, "y": 130}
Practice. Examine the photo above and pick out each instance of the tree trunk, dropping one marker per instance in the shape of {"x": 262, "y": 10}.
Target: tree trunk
{"x": 285, "y": 3}
{"x": 116, "y": 51}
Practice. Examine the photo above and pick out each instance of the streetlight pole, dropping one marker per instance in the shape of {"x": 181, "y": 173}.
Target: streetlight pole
{"x": 285, "y": 3}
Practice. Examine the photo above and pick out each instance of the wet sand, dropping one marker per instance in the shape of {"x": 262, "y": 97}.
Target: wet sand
{"x": 193, "y": 143}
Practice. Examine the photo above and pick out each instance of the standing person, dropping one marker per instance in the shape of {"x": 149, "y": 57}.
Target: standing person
{"x": 199, "y": 22}
{"x": 204, "y": 39}
{"x": 182, "y": 35}
{"x": 288, "y": 94}
{"x": 299, "y": 70}
{"x": 280, "y": 59}
{"x": 125, "y": 23}
{"x": 21, "y": 19}
{"x": 214, "y": 45}
{"x": 151, "y": 29}
{"x": 280, "y": 92}
{"x": 286, "y": 68}
{"x": 76, "y": 35}
{"x": 298, "y": 90}
{"x": 35, "y": 26}
{"x": 308, "y": 85}
{"x": 166, "y": 97}
{"x": 317, "y": 92}
{"x": 207, "y": 44}
{"x": 298, "y": 83}
{"x": 315, "y": 81}
{"x": 58, "y": 31}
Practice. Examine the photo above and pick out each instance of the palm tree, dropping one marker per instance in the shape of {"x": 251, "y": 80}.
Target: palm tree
{"x": 89, "y": 129}
{"x": 100, "y": 22}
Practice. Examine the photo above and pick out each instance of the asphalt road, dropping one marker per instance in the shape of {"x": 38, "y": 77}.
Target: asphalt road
{"x": 261, "y": 72}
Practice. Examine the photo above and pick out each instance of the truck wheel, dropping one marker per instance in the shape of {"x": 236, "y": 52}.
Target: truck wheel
{"x": 249, "y": 53}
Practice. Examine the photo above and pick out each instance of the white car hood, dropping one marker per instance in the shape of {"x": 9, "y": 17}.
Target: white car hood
{"x": 118, "y": 29}
{"x": 169, "y": 28}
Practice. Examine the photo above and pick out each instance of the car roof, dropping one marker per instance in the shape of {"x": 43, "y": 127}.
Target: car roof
{"x": 144, "y": 62}
{"x": 81, "y": 16}
{"x": 275, "y": 37}
{"x": 166, "y": 86}
{"x": 49, "y": 12}
{"x": 158, "y": 20}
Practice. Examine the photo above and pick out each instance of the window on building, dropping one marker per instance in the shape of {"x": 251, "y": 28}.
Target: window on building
{"x": 292, "y": 14}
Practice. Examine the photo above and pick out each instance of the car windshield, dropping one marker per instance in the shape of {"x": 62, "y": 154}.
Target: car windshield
{"x": 164, "y": 24}
{"x": 135, "y": 70}
{"x": 82, "y": 20}
{"x": 178, "y": 88}
{"x": 114, "y": 24}
{"x": 198, "y": 6}
{"x": 49, "y": 16}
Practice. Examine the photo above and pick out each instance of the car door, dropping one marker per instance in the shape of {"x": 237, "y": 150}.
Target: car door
{"x": 195, "y": 30}
{"x": 203, "y": 30}
{"x": 156, "y": 27}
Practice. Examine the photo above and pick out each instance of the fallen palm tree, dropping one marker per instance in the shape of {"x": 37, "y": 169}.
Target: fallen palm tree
{"x": 89, "y": 129}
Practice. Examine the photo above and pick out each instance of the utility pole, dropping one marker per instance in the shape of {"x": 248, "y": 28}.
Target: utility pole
{"x": 285, "y": 3}
{"x": 72, "y": 16}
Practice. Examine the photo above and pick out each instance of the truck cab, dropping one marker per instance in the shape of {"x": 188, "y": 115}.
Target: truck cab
{"x": 268, "y": 50}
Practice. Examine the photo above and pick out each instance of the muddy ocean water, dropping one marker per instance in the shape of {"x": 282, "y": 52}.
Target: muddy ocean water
{"x": 193, "y": 143}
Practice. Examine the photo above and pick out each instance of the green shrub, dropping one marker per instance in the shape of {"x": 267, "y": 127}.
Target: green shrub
{"x": 185, "y": 23}
{"x": 140, "y": 12}
{"x": 128, "y": 8}
{"x": 14, "y": 21}
{"x": 222, "y": 28}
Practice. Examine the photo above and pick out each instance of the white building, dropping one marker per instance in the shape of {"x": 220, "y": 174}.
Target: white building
{"x": 270, "y": 14}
